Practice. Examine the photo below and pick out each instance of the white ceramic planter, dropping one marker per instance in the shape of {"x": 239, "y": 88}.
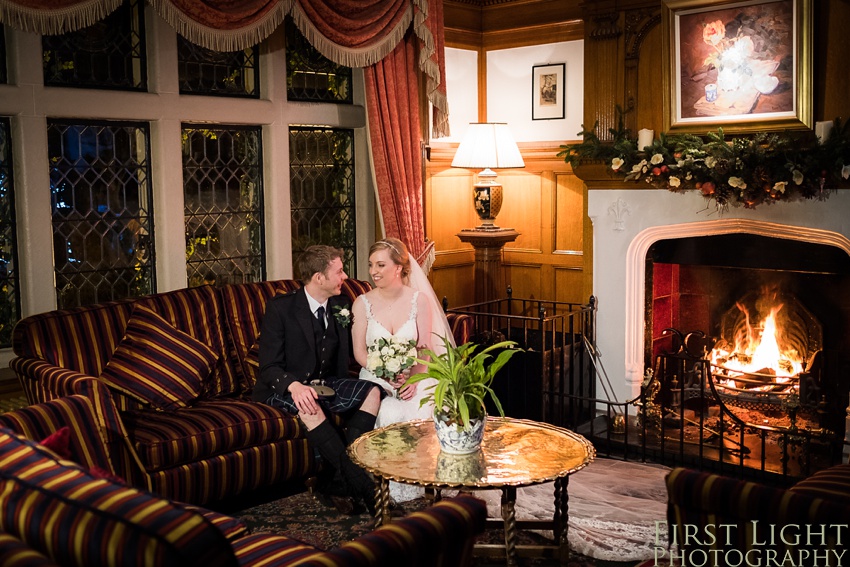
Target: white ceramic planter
{"x": 456, "y": 440}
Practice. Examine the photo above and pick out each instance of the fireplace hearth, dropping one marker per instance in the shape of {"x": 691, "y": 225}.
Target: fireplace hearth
{"x": 668, "y": 261}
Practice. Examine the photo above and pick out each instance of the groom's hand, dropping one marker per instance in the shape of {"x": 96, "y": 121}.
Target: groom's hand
{"x": 304, "y": 398}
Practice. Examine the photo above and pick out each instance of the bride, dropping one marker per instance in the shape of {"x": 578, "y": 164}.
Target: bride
{"x": 401, "y": 306}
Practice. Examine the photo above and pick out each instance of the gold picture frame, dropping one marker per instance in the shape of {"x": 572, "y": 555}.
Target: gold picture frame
{"x": 741, "y": 65}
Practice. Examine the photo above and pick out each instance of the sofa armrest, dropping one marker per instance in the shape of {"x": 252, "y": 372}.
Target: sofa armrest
{"x": 442, "y": 535}
{"x": 42, "y": 382}
{"x": 87, "y": 441}
{"x": 462, "y": 325}
{"x": 740, "y": 515}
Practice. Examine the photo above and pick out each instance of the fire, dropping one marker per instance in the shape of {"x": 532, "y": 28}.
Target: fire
{"x": 757, "y": 350}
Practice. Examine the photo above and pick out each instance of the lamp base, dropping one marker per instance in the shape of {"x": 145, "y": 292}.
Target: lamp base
{"x": 487, "y": 199}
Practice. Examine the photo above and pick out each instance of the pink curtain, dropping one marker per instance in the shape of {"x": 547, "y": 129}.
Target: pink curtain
{"x": 392, "y": 98}
{"x": 394, "y": 40}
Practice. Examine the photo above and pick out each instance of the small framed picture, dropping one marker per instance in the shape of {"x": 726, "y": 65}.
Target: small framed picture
{"x": 547, "y": 91}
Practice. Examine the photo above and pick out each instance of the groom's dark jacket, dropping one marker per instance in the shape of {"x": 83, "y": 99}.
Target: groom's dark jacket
{"x": 288, "y": 349}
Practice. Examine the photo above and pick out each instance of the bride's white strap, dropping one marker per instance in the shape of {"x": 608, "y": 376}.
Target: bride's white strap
{"x": 439, "y": 323}
{"x": 368, "y": 307}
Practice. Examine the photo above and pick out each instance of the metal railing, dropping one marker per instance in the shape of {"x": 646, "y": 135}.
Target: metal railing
{"x": 549, "y": 380}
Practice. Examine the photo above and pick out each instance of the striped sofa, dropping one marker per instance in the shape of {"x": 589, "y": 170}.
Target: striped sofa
{"x": 55, "y": 511}
{"x": 717, "y": 520}
{"x": 169, "y": 378}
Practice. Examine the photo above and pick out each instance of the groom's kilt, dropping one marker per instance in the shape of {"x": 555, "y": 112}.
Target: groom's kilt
{"x": 349, "y": 394}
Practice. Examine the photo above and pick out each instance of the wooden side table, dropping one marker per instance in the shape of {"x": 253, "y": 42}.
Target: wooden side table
{"x": 514, "y": 453}
{"x": 488, "y": 244}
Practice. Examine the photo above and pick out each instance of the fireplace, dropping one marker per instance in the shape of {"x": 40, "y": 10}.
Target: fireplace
{"x": 663, "y": 260}
{"x": 777, "y": 311}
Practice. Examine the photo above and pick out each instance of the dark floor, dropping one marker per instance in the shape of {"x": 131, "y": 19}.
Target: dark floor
{"x": 11, "y": 395}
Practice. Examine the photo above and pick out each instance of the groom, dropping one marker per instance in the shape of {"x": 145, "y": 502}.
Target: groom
{"x": 302, "y": 341}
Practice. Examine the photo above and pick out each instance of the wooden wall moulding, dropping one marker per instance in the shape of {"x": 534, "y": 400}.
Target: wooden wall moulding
{"x": 596, "y": 175}
{"x": 638, "y": 24}
{"x": 605, "y": 26}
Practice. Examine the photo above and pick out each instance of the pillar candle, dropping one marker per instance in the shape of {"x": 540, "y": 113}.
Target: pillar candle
{"x": 822, "y": 130}
{"x": 645, "y": 138}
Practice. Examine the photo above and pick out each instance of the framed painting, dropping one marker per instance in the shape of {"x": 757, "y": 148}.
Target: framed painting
{"x": 740, "y": 65}
{"x": 547, "y": 91}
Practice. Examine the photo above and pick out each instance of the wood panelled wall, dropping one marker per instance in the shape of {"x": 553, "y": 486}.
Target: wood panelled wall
{"x": 545, "y": 202}
{"x": 623, "y": 62}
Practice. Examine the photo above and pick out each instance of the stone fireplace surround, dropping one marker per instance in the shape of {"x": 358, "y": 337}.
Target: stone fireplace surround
{"x": 626, "y": 222}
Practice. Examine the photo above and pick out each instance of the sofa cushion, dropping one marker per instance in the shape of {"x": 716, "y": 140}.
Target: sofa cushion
{"x": 75, "y": 519}
{"x": 157, "y": 363}
{"x": 197, "y": 312}
{"x": 244, "y": 306}
{"x": 207, "y": 429}
{"x": 831, "y": 484}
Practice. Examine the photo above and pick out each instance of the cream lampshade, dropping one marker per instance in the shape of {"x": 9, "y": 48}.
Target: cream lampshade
{"x": 487, "y": 146}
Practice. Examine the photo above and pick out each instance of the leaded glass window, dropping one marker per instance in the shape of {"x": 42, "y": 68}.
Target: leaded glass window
{"x": 321, "y": 171}
{"x": 206, "y": 72}
{"x": 222, "y": 187}
{"x": 109, "y": 54}
{"x": 10, "y": 304}
{"x": 310, "y": 76}
{"x": 101, "y": 195}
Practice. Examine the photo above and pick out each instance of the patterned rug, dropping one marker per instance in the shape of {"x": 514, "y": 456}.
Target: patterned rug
{"x": 302, "y": 517}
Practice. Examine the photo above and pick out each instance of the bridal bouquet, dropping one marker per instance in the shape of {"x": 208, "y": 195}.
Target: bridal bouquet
{"x": 387, "y": 358}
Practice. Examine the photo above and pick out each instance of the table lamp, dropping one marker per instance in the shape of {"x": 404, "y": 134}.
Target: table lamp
{"x": 487, "y": 145}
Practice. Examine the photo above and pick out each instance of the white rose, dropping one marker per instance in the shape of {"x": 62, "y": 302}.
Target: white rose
{"x": 393, "y": 365}
{"x": 344, "y": 312}
{"x": 616, "y": 163}
{"x": 798, "y": 177}
{"x": 737, "y": 182}
{"x": 779, "y": 186}
{"x": 656, "y": 159}
{"x": 674, "y": 181}
{"x": 373, "y": 361}
{"x": 639, "y": 166}
{"x": 710, "y": 161}
{"x": 386, "y": 351}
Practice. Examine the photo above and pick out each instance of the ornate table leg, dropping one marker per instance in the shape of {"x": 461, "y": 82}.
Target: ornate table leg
{"x": 509, "y": 518}
{"x": 561, "y": 518}
{"x": 382, "y": 502}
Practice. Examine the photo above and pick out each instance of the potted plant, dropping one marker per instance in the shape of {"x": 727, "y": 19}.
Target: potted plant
{"x": 463, "y": 376}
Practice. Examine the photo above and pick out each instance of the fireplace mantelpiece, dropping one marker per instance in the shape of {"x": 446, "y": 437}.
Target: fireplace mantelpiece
{"x": 626, "y": 222}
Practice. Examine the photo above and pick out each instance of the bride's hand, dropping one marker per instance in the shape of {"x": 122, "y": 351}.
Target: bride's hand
{"x": 406, "y": 392}
{"x": 400, "y": 379}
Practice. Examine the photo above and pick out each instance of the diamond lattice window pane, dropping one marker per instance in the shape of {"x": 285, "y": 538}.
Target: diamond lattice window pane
{"x": 101, "y": 212}
{"x": 222, "y": 188}
{"x": 321, "y": 170}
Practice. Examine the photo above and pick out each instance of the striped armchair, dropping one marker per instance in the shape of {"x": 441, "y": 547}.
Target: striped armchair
{"x": 169, "y": 377}
{"x": 726, "y": 521}
{"x": 58, "y": 512}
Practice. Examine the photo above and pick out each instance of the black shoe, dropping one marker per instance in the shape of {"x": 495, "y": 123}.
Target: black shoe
{"x": 347, "y": 505}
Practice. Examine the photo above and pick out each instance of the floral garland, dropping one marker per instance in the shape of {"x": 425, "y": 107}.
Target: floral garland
{"x": 765, "y": 168}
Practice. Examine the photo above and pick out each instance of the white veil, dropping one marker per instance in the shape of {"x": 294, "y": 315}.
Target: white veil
{"x": 439, "y": 324}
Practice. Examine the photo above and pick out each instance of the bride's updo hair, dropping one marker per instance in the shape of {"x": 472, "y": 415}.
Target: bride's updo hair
{"x": 398, "y": 254}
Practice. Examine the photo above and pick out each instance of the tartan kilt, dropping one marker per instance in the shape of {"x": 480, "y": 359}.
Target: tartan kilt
{"x": 349, "y": 394}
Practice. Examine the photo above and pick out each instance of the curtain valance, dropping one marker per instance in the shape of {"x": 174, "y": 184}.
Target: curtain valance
{"x": 354, "y": 33}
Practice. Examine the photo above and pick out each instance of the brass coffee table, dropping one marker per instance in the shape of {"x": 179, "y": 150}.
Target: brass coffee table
{"x": 514, "y": 453}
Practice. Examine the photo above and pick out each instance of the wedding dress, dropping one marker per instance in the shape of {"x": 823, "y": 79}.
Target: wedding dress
{"x": 393, "y": 409}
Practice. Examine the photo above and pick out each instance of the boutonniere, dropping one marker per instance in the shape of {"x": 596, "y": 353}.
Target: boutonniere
{"x": 342, "y": 315}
